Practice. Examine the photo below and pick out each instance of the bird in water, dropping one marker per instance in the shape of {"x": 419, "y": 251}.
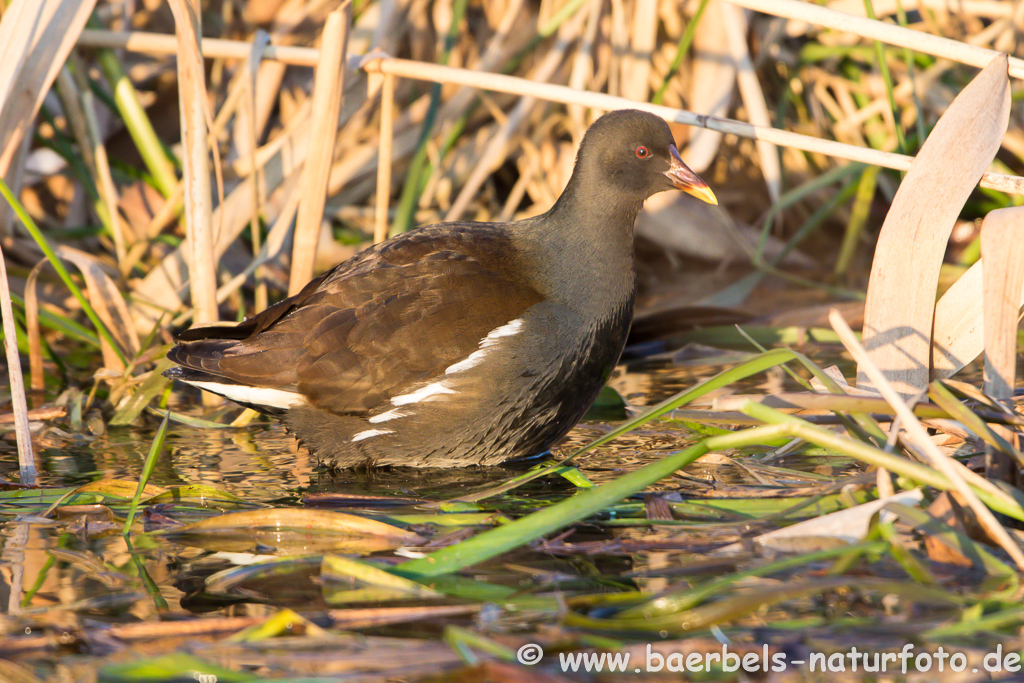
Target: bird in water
{"x": 459, "y": 343}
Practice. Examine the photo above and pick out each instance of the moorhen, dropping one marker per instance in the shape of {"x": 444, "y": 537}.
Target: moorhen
{"x": 459, "y": 343}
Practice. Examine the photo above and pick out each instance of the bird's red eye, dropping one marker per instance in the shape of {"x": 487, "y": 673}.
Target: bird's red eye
{"x": 642, "y": 152}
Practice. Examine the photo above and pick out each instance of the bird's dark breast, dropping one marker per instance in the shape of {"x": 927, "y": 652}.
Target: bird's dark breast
{"x": 516, "y": 403}
{"x": 563, "y": 396}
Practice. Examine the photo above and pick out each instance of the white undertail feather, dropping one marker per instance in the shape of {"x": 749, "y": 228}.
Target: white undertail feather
{"x": 257, "y": 396}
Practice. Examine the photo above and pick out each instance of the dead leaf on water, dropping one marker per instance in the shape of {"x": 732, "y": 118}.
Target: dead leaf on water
{"x": 119, "y": 488}
{"x": 292, "y": 530}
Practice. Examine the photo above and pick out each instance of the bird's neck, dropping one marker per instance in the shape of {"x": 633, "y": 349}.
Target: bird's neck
{"x": 589, "y": 234}
{"x": 602, "y": 210}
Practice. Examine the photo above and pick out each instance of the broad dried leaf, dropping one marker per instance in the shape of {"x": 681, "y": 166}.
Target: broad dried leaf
{"x": 35, "y": 39}
{"x": 845, "y": 526}
{"x": 293, "y": 529}
{"x": 108, "y": 302}
{"x": 904, "y": 275}
{"x": 959, "y": 335}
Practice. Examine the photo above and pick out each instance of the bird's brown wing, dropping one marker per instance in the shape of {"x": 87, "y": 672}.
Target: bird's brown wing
{"x": 374, "y": 326}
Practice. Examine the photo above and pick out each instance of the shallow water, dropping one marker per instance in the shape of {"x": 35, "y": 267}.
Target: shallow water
{"x": 77, "y": 575}
{"x": 263, "y": 461}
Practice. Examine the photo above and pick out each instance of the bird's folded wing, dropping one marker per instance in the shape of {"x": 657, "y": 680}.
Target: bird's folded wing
{"x": 368, "y": 333}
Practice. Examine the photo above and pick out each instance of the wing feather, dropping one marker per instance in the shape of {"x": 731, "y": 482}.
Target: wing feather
{"x": 393, "y": 316}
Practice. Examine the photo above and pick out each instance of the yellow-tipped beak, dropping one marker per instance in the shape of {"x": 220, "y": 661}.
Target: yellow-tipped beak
{"x": 686, "y": 180}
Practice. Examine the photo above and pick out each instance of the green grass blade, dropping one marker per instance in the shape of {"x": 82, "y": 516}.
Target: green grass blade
{"x": 525, "y": 529}
{"x": 68, "y": 328}
{"x": 757, "y": 364}
{"x": 682, "y": 48}
{"x": 147, "y": 471}
{"x": 883, "y": 66}
{"x": 419, "y": 169}
{"x": 136, "y": 121}
{"x": 58, "y": 265}
{"x": 874, "y": 456}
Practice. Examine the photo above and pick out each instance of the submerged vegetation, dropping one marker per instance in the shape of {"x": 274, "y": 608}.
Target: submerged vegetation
{"x": 731, "y": 508}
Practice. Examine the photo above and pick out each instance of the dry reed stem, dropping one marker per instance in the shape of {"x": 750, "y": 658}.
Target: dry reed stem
{"x": 105, "y": 179}
{"x": 711, "y": 86}
{"x": 937, "y": 46}
{"x": 979, "y": 8}
{"x": 583, "y": 65}
{"x": 257, "y": 117}
{"x": 145, "y": 42}
{"x": 81, "y": 113}
{"x": 636, "y": 63}
{"x": 272, "y": 248}
{"x": 560, "y": 93}
{"x": 619, "y": 42}
{"x": 387, "y": 131}
{"x": 864, "y": 27}
{"x": 32, "y": 331}
{"x": 160, "y": 290}
{"x": 246, "y": 137}
{"x": 958, "y": 337}
{"x": 35, "y": 40}
{"x": 196, "y": 160}
{"x": 752, "y": 96}
{"x": 497, "y": 147}
{"x": 850, "y": 123}
{"x": 883, "y": 480}
{"x": 1002, "y": 251}
{"x": 70, "y": 95}
{"x": 26, "y": 459}
{"x": 918, "y": 437}
{"x": 327, "y": 95}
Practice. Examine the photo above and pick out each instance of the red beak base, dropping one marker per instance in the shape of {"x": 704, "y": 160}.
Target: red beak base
{"x": 686, "y": 180}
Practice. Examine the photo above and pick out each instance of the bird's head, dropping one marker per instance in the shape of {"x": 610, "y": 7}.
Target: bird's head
{"x": 635, "y": 150}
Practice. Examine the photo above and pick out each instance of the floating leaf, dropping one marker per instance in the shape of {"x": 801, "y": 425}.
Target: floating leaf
{"x": 197, "y": 494}
{"x": 176, "y": 666}
{"x": 293, "y": 530}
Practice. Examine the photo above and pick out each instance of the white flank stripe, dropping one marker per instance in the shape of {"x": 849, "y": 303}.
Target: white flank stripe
{"x": 474, "y": 359}
{"x": 506, "y": 330}
{"x": 259, "y": 396}
{"x": 471, "y": 361}
{"x": 392, "y": 414}
{"x": 420, "y": 394}
{"x": 370, "y": 432}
